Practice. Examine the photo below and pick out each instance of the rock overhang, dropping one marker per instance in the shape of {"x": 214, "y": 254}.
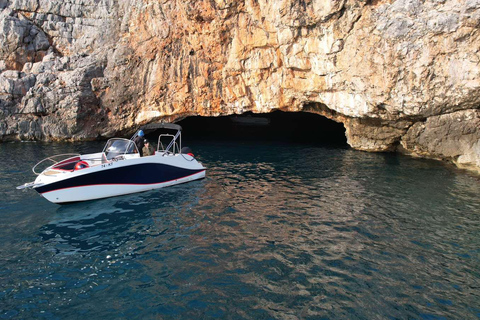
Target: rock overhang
{"x": 381, "y": 68}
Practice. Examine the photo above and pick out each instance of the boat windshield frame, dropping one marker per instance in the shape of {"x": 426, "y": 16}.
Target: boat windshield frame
{"x": 121, "y": 147}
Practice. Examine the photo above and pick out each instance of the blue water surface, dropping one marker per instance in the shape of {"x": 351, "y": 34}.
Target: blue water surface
{"x": 276, "y": 231}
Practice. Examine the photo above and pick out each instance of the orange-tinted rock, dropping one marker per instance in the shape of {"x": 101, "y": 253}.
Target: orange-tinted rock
{"x": 379, "y": 67}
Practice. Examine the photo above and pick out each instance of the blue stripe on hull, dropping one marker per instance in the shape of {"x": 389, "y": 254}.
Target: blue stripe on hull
{"x": 147, "y": 173}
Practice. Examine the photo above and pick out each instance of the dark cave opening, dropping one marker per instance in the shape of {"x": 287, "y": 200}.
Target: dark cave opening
{"x": 296, "y": 127}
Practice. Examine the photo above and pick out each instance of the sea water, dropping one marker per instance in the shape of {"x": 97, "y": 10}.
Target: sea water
{"x": 276, "y": 230}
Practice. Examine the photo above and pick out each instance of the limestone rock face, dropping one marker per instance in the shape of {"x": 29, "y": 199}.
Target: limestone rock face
{"x": 399, "y": 74}
{"x": 454, "y": 136}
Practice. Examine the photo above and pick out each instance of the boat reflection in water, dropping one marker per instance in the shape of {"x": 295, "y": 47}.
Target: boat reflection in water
{"x": 121, "y": 222}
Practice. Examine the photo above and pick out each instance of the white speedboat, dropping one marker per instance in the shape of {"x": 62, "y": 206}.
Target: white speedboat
{"x": 118, "y": 169}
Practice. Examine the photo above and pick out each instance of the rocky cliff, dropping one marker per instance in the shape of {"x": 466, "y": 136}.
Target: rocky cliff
{"x": 400, "y": 75}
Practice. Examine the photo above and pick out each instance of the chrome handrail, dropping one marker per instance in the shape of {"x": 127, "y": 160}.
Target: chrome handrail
{"x": 51, "y": 158}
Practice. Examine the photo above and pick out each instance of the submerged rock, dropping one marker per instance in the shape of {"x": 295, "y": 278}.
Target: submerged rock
{"x": 400, "y": 75}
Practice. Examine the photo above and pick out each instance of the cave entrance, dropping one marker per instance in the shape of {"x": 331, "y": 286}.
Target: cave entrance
{"x": 296, "y": 127}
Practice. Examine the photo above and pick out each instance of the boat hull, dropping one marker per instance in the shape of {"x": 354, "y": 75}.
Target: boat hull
{"x": 119, "y": 178}
{"x": 92, "y": 192}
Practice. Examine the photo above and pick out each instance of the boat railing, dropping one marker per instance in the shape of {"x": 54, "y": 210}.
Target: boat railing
{"x": 68, "y": 161}
{"x": 173, "y": 146}
{"x": 65, "y": 159}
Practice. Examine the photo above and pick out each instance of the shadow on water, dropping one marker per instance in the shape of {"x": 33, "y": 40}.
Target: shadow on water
{"x": 106, "y": 224}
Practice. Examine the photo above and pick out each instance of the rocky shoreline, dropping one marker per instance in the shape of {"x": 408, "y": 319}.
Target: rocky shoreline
{"x": 400, "y": 75}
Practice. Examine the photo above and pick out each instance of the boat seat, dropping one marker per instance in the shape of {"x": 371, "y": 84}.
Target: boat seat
{"x": 52, "y": 172}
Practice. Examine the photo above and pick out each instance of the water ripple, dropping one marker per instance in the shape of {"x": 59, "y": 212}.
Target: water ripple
{"x": 274, "y": 231}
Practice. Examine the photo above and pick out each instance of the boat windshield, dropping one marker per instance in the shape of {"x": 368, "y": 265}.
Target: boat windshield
{"x": 117, "y": 146}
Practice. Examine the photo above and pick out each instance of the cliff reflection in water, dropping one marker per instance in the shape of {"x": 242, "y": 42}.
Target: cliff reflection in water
{"x": 328, "y": 231}
{"x": 276, "y": 230}
{"x": 288, "y": 220}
